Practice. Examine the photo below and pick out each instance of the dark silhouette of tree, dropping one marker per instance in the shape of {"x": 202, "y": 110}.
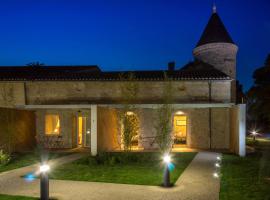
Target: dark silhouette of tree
{"x": 240, "y": 95}
{"x": 35, "y": 64}
{"x": 258, "y": 101}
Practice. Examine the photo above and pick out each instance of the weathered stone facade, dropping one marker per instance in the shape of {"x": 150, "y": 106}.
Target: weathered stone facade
{"x": 86, "y": 100}
{"x": 73, "y": 92}
{"x": 220, "y": 55}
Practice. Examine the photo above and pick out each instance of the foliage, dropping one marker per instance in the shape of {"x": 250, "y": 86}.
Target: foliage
{"x": 258, "y": 102}
{"x": 127, "y": 115}
{"x": 109, "y": 158}
{"x": 163, "y": 123}
{"x": 130, "y": 129}
{"x": 35, "y": 64}
{"x": 4, "y": 158}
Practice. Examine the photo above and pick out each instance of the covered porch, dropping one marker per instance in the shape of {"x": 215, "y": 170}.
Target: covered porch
{"x": 93, "y": 128}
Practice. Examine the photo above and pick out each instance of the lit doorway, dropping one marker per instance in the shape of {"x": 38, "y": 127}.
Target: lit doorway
{"x": 83, "y": 131}
{"x": 180, "y": 129}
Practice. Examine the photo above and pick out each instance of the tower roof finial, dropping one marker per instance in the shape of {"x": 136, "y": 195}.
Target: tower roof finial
{"x": 214, "y": 9}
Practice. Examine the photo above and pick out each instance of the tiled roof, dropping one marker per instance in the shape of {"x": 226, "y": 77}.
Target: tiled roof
{"x": 215, "y": 32}
{"x": 93, "y": 73}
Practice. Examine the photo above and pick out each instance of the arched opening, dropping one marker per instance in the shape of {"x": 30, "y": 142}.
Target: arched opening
{"x": 179, "y": 129}
{"x": 130, "y": 131}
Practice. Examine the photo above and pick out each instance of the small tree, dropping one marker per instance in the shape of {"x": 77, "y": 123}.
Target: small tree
{"x": 163, "y": 121}
{"x": 130, "y": 122}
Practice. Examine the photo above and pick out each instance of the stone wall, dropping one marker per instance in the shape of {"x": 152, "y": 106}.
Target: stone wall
{"x": 198, "y": 137}
{"x": 17, "y": 130}
{"x": 220, "y": 128}
{"x": 221, "y": 55}
{"x": 108, "y": 129}
{"x": 68, "y": 92}
{"x": 147, "y": 129}
{"x": 11, "y": 94}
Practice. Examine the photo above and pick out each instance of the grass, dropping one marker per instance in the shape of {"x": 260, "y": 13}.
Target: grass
{"x": 247, "y": 178}
{"x": 24, "y": 159}
{"x": 9, "y": 197}
{"x": 147, "y": 171}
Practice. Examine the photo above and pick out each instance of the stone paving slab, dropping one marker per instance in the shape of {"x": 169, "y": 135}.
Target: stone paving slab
{"x": 196, "y": 183}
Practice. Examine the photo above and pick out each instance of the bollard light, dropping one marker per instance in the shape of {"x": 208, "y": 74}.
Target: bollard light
{"x": 166, "y": 176}
{"x": 167, "y": 158}
{"x": 44, "y": 168}
{"x": 254, "y": 134}
{"x": 44, "y": 181}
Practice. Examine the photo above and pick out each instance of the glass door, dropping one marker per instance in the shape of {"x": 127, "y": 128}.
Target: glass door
{"x": 180, "y": 129}
{"x": 84, "y": 131}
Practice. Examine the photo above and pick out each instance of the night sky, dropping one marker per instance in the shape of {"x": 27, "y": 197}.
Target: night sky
{"x": 128, "y": 34}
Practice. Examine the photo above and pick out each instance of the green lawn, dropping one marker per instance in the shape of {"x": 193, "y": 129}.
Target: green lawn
{"x": 24, "y": 159}
{"x": 146, "y": 169}
{"x": 247, "y": 178}
{"x": 8, "y": 197}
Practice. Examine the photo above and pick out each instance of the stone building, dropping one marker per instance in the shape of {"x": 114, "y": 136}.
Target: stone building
{"x": 78, "y": 106}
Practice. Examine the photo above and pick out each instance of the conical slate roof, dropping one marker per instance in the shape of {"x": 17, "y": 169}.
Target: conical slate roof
{"x": 215, "y": 32}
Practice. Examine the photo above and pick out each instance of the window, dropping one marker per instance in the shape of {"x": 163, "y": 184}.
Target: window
{"x": 52, "y": 124}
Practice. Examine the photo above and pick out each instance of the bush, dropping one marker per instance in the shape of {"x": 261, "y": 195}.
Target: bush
{"x": 108, "y": 158}
{"x": 4, "y": 158}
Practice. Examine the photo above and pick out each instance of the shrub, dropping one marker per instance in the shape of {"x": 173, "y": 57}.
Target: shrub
{"x": 108, "y": 158}
{"x": 92, "y": 160}
{"x": 4, "y": 158}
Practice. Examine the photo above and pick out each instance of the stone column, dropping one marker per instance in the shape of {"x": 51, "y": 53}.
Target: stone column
{"x": 94, "y": 130}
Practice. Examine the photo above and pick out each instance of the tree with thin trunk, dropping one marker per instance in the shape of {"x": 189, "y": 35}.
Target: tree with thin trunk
{"x": 127, "y": 114}
{"x": 163, "y": 121}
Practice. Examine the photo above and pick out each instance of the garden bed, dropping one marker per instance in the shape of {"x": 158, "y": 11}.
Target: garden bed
{"x": 127, "y": 168}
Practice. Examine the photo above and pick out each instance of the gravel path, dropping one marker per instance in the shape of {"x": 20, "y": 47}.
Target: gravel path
{"x": 196, "y": 183}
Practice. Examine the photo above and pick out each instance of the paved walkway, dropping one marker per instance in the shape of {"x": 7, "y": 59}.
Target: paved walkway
{"x": 196, "y": 183}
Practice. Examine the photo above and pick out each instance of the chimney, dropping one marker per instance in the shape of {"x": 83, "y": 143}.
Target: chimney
{"x": 171, "y": 66}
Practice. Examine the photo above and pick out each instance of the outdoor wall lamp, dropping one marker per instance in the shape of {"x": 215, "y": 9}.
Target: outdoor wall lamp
{"x": 44, "y": 181}
{"x": 166, "y": 175}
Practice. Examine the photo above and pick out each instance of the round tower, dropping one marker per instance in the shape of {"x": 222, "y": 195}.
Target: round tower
{"x": 216, "y": 46}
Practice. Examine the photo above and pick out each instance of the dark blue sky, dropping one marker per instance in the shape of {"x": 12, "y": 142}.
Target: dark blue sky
{"x": 128, "y": 34}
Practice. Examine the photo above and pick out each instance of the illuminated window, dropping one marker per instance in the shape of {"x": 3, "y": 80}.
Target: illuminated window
{"x": 52, "y": 124}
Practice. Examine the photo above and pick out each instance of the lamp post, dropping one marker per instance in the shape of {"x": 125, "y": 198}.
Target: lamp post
{"x": 166, "y": 175}
{"x": 44, "y": 181}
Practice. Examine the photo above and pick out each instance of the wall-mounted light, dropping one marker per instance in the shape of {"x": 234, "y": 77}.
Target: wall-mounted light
{"x": 130, "y": 113}
{"x": 179, "y": 112}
